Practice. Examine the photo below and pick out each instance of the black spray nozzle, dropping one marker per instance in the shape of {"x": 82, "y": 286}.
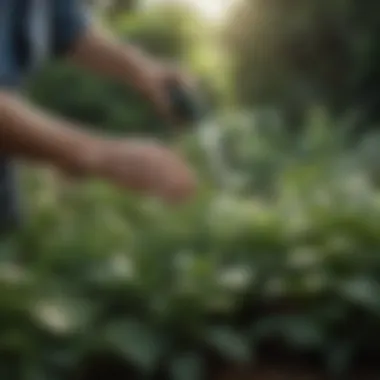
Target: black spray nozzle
{"x": 188, "y": 106}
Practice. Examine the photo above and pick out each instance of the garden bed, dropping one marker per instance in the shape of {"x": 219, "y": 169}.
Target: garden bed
{"x": 106, "y": 271}
{"x": 267, "y": 368}
{"x": 274, "y": 358}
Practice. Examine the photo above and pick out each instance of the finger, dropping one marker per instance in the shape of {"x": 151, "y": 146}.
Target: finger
{"x": 158, "y": 97}
{"x": 165, "y": 108}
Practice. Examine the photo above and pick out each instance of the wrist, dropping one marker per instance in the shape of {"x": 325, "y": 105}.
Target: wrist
{"x": 141, "y": 69}
{"x": 86, "y": 157}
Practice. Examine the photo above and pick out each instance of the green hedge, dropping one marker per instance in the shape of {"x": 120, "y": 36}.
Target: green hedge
{"x": 98, "y": 270}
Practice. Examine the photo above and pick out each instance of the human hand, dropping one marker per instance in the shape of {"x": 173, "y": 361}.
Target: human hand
{"x": 155, "y": 81}
{"x": 144, "y": 167}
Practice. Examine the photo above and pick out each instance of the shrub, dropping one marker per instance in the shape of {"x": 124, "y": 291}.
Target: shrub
{"x": 98, "y": 271}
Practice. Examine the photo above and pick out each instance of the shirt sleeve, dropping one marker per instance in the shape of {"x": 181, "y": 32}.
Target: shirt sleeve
{"x": 70, "y": 21}
{"x": 9, "y": 70}
{"x": 10, "y": 77}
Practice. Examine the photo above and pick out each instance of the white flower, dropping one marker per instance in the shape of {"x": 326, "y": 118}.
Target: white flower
{"x": 122, "y": 266}
{"x": 59, "y": 315}
{"x": 13, "y": 274}
{"x": 275, "y": 287}
{"x": 358, "y": 186}
{"x": 315, "y": 282}
{"x": 302, "y": 258}
{"x": 339, "y": 244}
{"x": 184, "y": 260}
{"x": 235, "y": 278}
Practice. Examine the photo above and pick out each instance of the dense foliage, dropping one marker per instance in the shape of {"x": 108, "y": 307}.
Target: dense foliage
{"x": 284, "y": 255}
{"x": 99, "y": 271}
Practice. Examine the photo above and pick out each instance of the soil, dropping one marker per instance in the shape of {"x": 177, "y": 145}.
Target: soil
{"x": 274, "y": 371}
{"x": 275, "y": 362}
{"x": 284, "y": 373}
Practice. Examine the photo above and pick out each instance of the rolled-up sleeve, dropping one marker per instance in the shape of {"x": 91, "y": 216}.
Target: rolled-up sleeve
{"x": 71, "y": 19}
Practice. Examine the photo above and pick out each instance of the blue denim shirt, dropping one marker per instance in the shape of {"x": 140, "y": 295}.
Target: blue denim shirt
{"x": 67, "y": 20}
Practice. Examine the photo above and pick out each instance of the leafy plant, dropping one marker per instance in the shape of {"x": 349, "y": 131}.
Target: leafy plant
{"x": 97, "y": 270}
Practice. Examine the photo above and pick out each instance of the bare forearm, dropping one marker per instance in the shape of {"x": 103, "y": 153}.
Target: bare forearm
{"x": 105, "y": 55}
{"x": 29, "y": 134}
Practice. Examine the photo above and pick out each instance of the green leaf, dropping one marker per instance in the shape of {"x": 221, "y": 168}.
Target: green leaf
{"x": 35, "y": 372}
{"x": 265, "y": 328}
{"x": 298, "y": 331}
{"x": 229, "y": 343}
{"x": 303, "y": 333}
{"x": 187, "y": 367}
{"x": 362, "y": 291}
{"x": 136, "y": 342}
{"x": 338, "y": 358}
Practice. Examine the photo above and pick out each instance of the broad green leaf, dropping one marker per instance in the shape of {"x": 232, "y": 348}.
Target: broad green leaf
{"x": 264, "y": 328}
{"x": 339, "y": 358}
{"x": 61, "y": 315}
{"x": 36, "y": 371}
{"x": 136, "y": 342}
{"x": 187, "y": 367}
{"x": 362, "y": 291}
{"x": 303, "y": 333}
{"x": 229, "y": 343}
{"x": 297, "y": 331}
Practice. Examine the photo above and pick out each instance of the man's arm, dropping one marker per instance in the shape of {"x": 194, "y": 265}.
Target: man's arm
{"x": 30, "y": 134}
{"x": 79, "y": 38}
{"x": 141, "y": 166}
{"x": 98, "y": 51}
{"x": 88, "y": 46}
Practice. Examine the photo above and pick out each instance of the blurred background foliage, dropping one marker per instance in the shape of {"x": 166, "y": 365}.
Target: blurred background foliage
{"x": 286, "y": 253}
